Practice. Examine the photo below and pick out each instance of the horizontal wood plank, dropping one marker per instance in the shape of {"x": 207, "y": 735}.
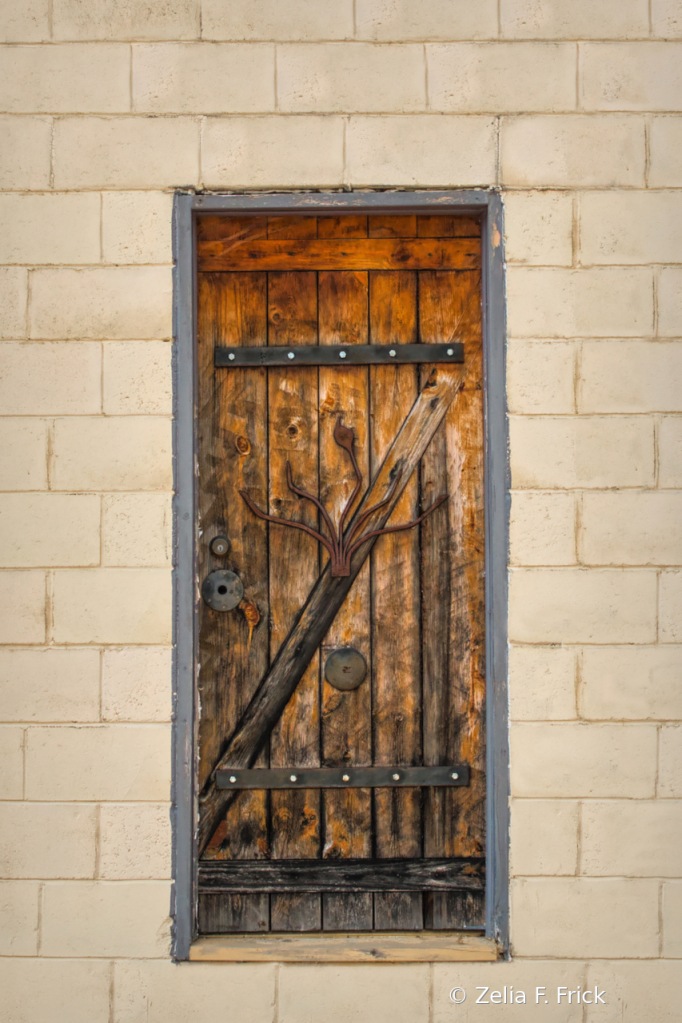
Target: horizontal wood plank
{"x": 339, "y": 254}
{"x": 395, "y": 947}
{"x": 394, "y": 875}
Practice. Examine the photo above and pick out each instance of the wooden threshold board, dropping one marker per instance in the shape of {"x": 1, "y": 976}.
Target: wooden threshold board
{"x": 376, "y": 947}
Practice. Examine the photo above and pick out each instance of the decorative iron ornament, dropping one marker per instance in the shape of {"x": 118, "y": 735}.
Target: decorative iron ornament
{"x": 341, "y": 548}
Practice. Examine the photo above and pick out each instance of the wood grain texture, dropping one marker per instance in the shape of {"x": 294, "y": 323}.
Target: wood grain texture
{"x": 292, "y": 226}
{"x": 432, "y": 947}
{"x": 346, "y": 716}
{"x": 393, "y": 226}
{"x": 232, "y": 453}
{"x": 340, "y": 254}
{"x": 293, "y": 568}
{"x": 349, "y": 225}
{"x": 440, "y": 226}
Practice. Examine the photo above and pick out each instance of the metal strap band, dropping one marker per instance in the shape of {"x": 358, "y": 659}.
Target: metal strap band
{"x": 337, "y": 355}
{"x": 342, "y": 777}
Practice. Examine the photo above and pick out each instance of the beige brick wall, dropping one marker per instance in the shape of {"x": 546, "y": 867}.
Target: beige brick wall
{"x": 574, "y": 110}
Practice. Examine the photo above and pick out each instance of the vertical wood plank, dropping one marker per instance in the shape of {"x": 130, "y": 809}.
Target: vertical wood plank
{"x": 344, "y": 226}
{"x": 294, "y": 566}
{"x": 454, "y": 599}
{"x": 396, "y": 670}
{"x": 393, "y": 226}
{"x": 217, "y": 228}
{"x": 346, "y": 716}
{"x": 232, "y": 454}
{"x": 292, "y": 227}
{"x": 439, "y": 226}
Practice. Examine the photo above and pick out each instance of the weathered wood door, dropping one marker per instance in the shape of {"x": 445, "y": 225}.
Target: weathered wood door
{"x": 336, "y": 855}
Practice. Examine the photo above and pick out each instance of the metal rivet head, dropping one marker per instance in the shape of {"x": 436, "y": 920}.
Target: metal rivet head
{"x": 342, "y": 355}
{"x": 346, "y": 777}
{"x": 292, "y": 777}
{"x": 451, "y": 351}
{"x": 231, "y": 356}
{"x": 232, "y": 779}
{"x": 396, "y": 777}
{"x": 290, "y": 355}
{"x": 454, "y": 775}
{"x": 392, "y": 353}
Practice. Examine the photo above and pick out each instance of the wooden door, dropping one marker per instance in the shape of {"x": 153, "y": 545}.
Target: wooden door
{"x": 371, "y": 852}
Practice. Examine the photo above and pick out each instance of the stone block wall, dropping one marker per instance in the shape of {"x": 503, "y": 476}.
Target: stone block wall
{"x": 573, "y": 108}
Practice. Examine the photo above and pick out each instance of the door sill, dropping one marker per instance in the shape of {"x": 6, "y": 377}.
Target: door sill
{"x": 358, "y": 947}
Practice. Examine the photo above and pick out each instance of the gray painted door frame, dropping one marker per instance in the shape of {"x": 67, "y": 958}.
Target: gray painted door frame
{"x": 488, "y": 204}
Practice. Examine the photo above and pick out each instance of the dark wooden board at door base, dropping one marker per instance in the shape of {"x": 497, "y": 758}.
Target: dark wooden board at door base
{"x": 414, "y": 613}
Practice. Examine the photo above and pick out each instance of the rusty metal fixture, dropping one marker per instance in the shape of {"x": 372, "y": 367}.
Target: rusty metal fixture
{"x": 345, "y": 669}
{"x": 252, "y": 616}
{"x": 341, "y": 548}
{"x": 222, "y": 590}
{"x": 219, "y": 546}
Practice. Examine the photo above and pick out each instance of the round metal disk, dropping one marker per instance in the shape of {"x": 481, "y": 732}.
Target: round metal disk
{"x": 345, "y": 668}
{"x": 222, "y": 590}
{"x": 220, "y": 545}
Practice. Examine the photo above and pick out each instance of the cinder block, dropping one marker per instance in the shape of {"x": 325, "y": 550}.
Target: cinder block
{"x": 669, "y": 301}
{"x": 540, "y": 377}
{"x": 108, "y": 762}
{"x": 22, "y": 607}
{"x": 72, "y": 78}
{"x": 581, "y": 918}
{"x": 630, "y": 376}
{"x": 665, "y": 147}
{"x": 50, "y": 379}
{"x": 544, "y": 837}
{"x": 572, "y": 151}
{"x": 53, "y": 684}
{"x": 24, "y": 21}
{"x": 631, "y": 76}
{"x": 131, "y": 19}
{"x": 670, "y": 762}
{"x": 13, "y": 302}
{"x": 639, "y": 991}
{"x": 135, "y": 841}
{"x": 136, "y": 227}
{"x": 579, "y": 19}
{"x": 635, "y": 528}
{"x": 542, "y": 528}
{"x": 136, "y": 684}
{"x": 306, "y": 20}
{"x": 11, "y": 762}
{"x": 106, "y": 919}
{"x": 666, "y": 18}
{"x": 568, "y": 605}
{"x": 349, "y": 77}
{"x": 262, "y": 152}
{"x": 111, "y": 302}
{"x": 539, "y": 228}
{"x": 165, "y": 992}
{"x": 670, "y": 607}
{"x": 600, "y": 302}
{"x": 343, "y": 992}
{"x": 25, "y": 154}
{"x": 60, "y": 989}
{"x": 402, "y": 20}
{"x": 49, "y": 529}
{"x": 137, "y": 378}
{"x": 203, "y": 78}
{"x": 654, "y": 838}
{"x": 521, "y": 974}
{"x": 672, "y": 919}
{"x": 630, "y": 227}
{"x": 45, "y": 840}
{"x": 136, "y": 530}
{"x": 448, "y": 150}
{"x": 126, "y": 152}
{"x": 18, "y": 918}
{"x": 474, "y": 78}
{"x": 541, "y": 683}
{"x": 581, "y": 760}
{"x": 112, "y": 605}
{"x": 112, "y": 453}
{"x": 23, "y": 454}
{"x": 637, "y": 682}
{"x": 670, "y": 452}
{"x": 49, "y": 228}
{"x": 582, "y": 451}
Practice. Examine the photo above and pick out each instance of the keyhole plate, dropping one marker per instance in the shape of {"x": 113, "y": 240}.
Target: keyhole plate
{"x": 222, "y": 590}
{"x": 345, "y": 668}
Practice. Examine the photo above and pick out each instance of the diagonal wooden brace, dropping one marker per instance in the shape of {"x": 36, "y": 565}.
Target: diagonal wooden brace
{"x": 327, "y": 596}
